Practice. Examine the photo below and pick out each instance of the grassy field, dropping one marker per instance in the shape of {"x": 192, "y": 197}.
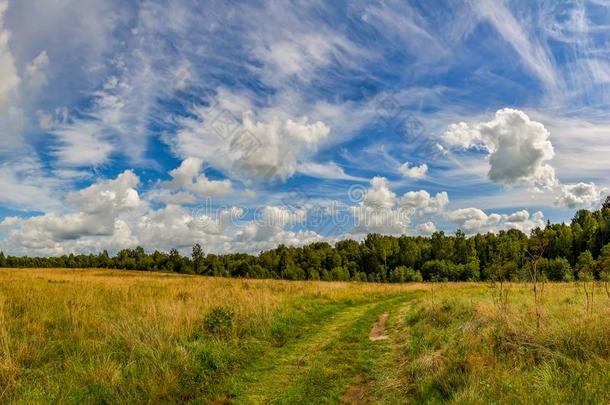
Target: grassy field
{"x": 97, "y": 336}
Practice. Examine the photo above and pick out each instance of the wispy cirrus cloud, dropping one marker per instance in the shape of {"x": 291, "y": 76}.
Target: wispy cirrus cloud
{"x": 317, "y": 98}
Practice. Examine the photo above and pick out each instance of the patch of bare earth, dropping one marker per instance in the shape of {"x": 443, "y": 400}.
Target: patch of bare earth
{"x": 358, "y": 393}
{"x": 378, "y": 331}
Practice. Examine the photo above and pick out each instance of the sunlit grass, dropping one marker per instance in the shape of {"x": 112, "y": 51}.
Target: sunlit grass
{"x": 464, "y": 347}
{"x": 120, "y": 336}
{"x": 95, "y": 336}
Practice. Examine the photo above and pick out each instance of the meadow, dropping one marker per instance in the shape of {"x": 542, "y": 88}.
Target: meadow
{"x": 109, "y": 336}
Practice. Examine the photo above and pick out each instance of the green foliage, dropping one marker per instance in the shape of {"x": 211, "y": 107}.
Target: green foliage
{"x": 556, "y": 269}
{"x": 507, "y": 255}
{"x": 219, "y": 322}
{"x": 403, "y": 274}
{"x": 198, "y": 259}
{"x": 585, "y": 266}
{"x": 603, "y": 261}
{"x": 339, "y": 274}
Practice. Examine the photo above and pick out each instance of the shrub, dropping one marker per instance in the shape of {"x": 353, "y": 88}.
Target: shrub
{"x": 219, "y": 322}
{"x": 556, "y": 269}
{"x": 403, "y": 274}
{"x": 339, "y": 274}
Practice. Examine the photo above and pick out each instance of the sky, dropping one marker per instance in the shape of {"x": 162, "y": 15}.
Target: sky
{"x": 245, "y": 125}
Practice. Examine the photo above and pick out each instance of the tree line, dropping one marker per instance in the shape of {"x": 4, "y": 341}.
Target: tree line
{"x": 559, "y": 252}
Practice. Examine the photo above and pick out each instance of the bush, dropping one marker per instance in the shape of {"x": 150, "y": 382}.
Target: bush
{"x": 339, "y": 274}
{"x": 444, "y": 270}
{"x": 556, "y": 269}
{"x": 219, "y": 322}
{"x": 403, "y": 274}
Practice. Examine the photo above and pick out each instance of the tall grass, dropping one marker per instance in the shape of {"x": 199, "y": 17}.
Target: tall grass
{"x": 99, "y": 336}
{"x": 110, "y": 336}
{"x": 464, "y": 348}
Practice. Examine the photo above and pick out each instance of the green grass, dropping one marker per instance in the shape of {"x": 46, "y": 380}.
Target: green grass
{"x": 317, "y": 368}
{"x": 462, "y": 349}
{"x": 74, "y": 337}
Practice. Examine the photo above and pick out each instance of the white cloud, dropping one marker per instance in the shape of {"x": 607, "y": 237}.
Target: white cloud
{"x": 110, "y": 215}
{"x": 300, "y": 55}
{"x": 82, "y": 143}
{"x": 427, "y": 228}
{"x": 176, "y": 227}
{"x": 534, "y": 54}
{"x": 271, "y": 221}
{"x": 244, "y": 147}
{"x": 519, "y": 216}
{"x": 379, "y": 220}
{"x": 523, "y": 221}
{"x": 586, "y": 195}
{"x": 108, "y": 197}
{"x": 179, "y": 198}
{"x": 379, "y": 194}
{"x": 399, "y": 19}
{"x": 422, "y": 201}
{"x": 189, "y": 176}
{"x": 248, "y": 193}
{"x": 183, "y": 75}
{"x": 27, "y": 187}
{"x": 329, "y": 170}
{"x": 377, "y": 212}
{"x": 11, "y": 114}
{"x": 380, "y": 211}
{"x": 413, "y": 172}
{"x": 35, "y": 76}
{"x": 474, "y": 220}
{"x": 9, "y": 77}
{"x": 518, "y": 148}
{"x": 99, "y": 221}
{"x": 48, "y": 121}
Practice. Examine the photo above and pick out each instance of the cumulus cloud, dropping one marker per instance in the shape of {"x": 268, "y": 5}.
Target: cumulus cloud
{"x": 381, "y": 211}
{"x": 379, "y": 194}
{"x": 427, "y": 228}
{"x": 518, "y": 148}
{"x": 221, "y": 230}
{"x": 580, "y": 195}
{"x": 474, "y": 220}
{"x": 235, "y": 142}
{"x": 423, "y": 202}
{"x": 271, "y": 221}
{"x": 108, "y": 197}
{"x": 176, "y": 226}
{"x": 413, "y": 172}
{"x": 178, "y": 198}
{"x": 189, "y": 176}
{"x": 110, "y": 214}
{"x": 377, "y": 212}
{"x": 100, "y": 216}
{"x": 524, "y": 221}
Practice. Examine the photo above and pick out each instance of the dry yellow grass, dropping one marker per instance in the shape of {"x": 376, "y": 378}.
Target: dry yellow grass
{"x": 467, "y": 347}
{"x": 72, "y": 334}
{"x": 94, "y": 336}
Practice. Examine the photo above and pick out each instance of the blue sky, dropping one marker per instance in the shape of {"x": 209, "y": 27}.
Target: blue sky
{"x": 242, "y": 125}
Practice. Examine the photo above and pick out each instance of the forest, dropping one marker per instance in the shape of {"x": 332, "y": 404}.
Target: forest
{"x": 559, "y": 252}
